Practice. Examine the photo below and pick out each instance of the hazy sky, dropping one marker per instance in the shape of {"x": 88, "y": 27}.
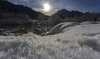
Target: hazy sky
{"x": 79, "y": 5}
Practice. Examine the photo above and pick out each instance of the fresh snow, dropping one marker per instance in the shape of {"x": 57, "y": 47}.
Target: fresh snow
{"x": 67, "y": 40}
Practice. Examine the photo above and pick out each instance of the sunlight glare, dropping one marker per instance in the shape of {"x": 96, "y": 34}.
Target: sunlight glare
{"x": 47, "y": 7}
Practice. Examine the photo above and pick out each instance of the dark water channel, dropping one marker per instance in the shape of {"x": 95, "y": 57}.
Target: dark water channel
{"x": 37, "y": 29}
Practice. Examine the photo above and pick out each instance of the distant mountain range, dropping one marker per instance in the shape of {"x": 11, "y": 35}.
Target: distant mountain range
{"x": 33, "y": 14}
{"x": 10, "y": 7}
{"x": 22, "y": 14}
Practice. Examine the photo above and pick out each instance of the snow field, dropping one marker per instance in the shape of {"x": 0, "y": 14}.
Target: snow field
{"x": 64, "y": 41}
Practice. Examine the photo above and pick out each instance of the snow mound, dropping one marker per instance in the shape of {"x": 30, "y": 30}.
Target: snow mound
{"x": 60, "y": 27}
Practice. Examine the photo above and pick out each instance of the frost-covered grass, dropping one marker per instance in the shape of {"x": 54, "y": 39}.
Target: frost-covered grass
{"x": 70, "y": 41}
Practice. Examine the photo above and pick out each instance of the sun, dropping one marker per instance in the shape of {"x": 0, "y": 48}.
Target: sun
{"x": 46, "y": 7}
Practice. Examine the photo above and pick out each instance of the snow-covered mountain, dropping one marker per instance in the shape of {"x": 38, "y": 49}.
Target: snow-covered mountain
{"x": 70, "y": 41}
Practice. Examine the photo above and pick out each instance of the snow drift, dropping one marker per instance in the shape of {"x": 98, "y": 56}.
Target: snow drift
{"x": 60, "y": 27}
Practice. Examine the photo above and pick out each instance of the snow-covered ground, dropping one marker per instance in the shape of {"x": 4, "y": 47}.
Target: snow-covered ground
{"x": 68, "y": 41}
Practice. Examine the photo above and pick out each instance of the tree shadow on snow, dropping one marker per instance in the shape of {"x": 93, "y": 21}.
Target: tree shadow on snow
{"x": 91, "y": 43}
{"x": 91, "y": 34}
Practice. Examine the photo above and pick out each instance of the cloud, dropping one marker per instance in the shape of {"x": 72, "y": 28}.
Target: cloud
{"x": 83, "y": 5}
{"x": 52, "y": 11}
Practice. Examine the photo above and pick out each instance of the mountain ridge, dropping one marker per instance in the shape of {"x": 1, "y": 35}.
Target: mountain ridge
{"x": 17, "y": 14}
{"x": 10, "y": 7}
{"x": 63, "y": 13}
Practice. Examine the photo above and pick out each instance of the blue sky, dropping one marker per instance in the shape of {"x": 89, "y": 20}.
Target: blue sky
{"x": 79, "y": 5}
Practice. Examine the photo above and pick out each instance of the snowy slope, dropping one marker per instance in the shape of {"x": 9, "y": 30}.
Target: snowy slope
{"x": 70, "y": 41}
